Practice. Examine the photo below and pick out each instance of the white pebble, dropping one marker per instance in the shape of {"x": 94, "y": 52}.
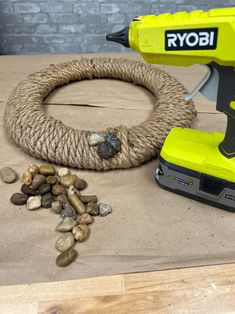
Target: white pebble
{"x": 95, "y": 139}
{"x": 104, "y": 209}
{"x": 34, "y": 202}
{"x": 63, "y": 172}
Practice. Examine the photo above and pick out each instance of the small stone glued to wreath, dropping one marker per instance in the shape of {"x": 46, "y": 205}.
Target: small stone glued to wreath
{"x": 108, "y": 145}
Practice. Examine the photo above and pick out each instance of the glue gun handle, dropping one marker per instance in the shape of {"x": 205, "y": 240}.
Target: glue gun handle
{"x": 227, "y": 147}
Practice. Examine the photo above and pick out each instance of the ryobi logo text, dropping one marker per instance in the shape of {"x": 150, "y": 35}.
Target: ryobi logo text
{"x": 191, "y": 39}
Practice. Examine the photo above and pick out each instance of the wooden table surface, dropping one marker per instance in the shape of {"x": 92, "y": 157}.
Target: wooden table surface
{"x": 193, "y": 290}
{"x": 209, "y": 289}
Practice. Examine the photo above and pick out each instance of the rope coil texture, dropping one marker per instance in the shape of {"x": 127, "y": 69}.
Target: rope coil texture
{"x": 44, "y": 137}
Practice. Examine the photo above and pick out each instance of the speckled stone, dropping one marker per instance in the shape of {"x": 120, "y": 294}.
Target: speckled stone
{"x": 112, "y": 139}
{"x": 19, "y": 198}
{"x": 104, "y": 209}
{"x": 80, "y": 184}
{"x": 67, "y": 210}
{"x": 106, "y": 150}
{"x": 81, "y": 232}
{"x": 47, "y": 200}
{"x": 8, "y": 175}
{"x": 85, "y": 219}
{"x": 44, "y": 189}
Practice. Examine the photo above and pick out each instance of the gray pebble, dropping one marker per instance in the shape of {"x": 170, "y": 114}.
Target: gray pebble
{"x": 44, "y": 189}
{"x": 38, "y": 180}
{"x": 64, "y": 242}
{"x": 8, "y": 175}
{"x": 104, "y": 209}
{"x": 28, "y": 190}
{"x": 68, "y": 210}
{"x": 19, "y": 199}
{"x": 112, "y": 139}
{"x": 66, "y": 224}
{"x": 47, "y": 200}
{"x": 106, "y": 150}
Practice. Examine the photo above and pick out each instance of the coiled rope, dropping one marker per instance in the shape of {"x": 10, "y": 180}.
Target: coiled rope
{"x": 44, "y": 137}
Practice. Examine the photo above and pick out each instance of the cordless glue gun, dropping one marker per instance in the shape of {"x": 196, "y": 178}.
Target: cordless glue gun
{"x": 197, "y": 164}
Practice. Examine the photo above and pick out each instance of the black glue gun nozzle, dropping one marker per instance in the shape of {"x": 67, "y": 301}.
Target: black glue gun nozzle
{"x": 120, "y": 37}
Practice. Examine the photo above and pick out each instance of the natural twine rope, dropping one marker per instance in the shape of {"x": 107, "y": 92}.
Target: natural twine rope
{"x": 47, "y": 138}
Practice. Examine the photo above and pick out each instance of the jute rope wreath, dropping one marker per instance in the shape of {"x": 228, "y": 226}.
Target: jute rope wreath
{"x": 44, "y": 137}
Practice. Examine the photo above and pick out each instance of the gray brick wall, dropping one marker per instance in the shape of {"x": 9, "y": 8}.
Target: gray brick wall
{"x": 73, "y": 26}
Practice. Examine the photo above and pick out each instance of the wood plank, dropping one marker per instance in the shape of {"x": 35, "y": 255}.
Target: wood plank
{"x": 100, "y": 286}
{"x": 209, "y": 289}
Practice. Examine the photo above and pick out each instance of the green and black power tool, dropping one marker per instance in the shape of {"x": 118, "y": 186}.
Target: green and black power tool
{"x": 197, "y": 164}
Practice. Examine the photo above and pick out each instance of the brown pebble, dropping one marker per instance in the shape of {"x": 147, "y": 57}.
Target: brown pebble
{"x": 51, "y": 180}
{"x": 8, "y": 175}
{"x": 28, "y": 190}
{"x": 47, "y": 170}
{"x": 92, "y": 209}
{"x": 66, "y": 258}
{"x": 38, "y": 180}
{"x": 80, "y": 232}
{"x": 85, "y": 219}
{"x": 68, "y": 180}
{"x": 19, "y": 198}
{"x": 88, "y": 198}
{"x": 77, "y": 204}
{"x": 80, "y": 184}
{"x": 27, "y": 178}
{"x": 58, "y": 189}
{"x": 56, "y": 207}
{"x": 33, "y": 169}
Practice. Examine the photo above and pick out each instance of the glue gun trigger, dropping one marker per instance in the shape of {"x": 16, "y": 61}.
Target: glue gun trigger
{"x": 208, "y": 86}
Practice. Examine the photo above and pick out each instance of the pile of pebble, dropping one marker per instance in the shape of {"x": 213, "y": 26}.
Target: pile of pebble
{"x": 44, "y": 187}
